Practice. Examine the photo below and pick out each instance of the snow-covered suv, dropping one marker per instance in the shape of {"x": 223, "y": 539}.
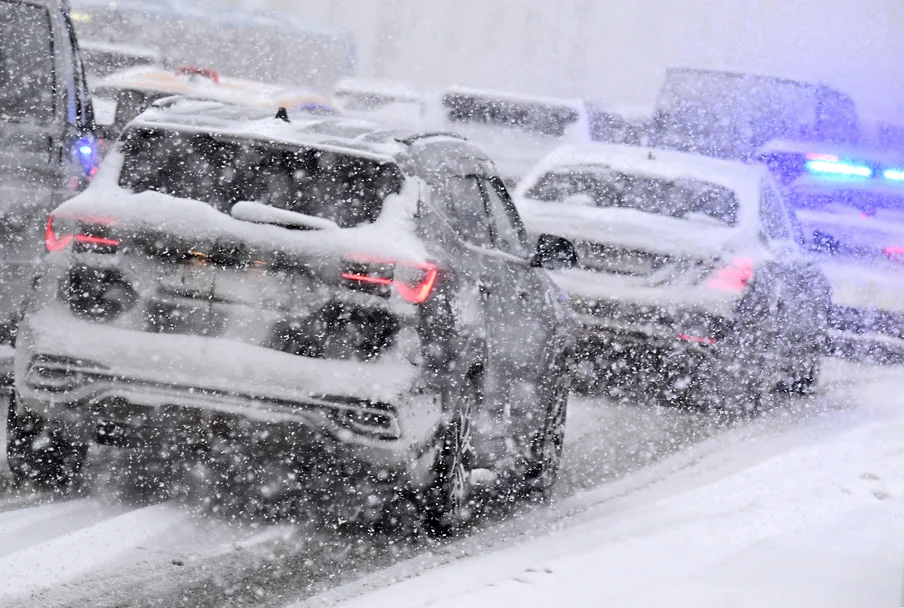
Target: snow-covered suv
{"x": 355, "y": 307}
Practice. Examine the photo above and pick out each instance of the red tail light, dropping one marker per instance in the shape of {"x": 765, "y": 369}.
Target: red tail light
{"x": 895, "y": 252}
{"x": 412, "y": 280}
{"x": 696, "y": 339}
{"x": 63, "y": 230}
{"x": 733, "y": 277}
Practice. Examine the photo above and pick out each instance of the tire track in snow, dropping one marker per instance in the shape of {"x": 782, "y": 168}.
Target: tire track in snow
{"x": 66, "y": 557}
{"x": 25, "y": 527}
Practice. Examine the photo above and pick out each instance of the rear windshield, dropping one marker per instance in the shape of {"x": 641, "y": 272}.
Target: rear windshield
{"x": 27, "y": 90}
{"x": 346, "y": 189}
{"x": 602, "y": 187}
{"x": 542, "y": 119}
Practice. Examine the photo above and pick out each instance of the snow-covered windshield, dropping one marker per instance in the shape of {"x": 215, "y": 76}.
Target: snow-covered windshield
{"x": 602, "y": 187}
{"x": 27, "y": 91}
{"x": 345, "y": 189}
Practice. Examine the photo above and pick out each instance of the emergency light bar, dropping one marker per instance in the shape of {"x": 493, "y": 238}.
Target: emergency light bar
{"x": 825, "y": 167}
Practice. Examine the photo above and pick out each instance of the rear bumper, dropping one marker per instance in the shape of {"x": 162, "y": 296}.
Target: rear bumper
{"x": 87, "y": 378}
{"x": 673, "y": 351}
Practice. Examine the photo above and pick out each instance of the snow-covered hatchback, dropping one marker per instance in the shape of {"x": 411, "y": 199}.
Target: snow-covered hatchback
{"x": 353, "y": 309}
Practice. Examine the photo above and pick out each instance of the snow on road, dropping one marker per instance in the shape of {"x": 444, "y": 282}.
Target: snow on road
{"x": 810, "y": 515}
{"x": 650, "y": 500}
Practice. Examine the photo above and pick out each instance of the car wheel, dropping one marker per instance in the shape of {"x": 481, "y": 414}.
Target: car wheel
{"x": 448, "y": 500}
{"x": 805, "y": 379}
{"x": 748, "y": 367}
{"x": 38, "y": 455}
{"x": 547, "y": 446}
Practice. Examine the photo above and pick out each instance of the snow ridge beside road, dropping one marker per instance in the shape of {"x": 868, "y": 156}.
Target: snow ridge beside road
{"x": 809, "y": 516}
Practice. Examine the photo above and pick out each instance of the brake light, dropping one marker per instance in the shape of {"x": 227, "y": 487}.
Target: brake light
{"x": 63, "y": 230}
{"x": 413, "y": 281}
{"x": 895, "y": 251}
{"x": 696, "y": 339}
{"x": 733, "y": 277}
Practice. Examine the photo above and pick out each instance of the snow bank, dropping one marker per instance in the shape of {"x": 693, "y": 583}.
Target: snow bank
{"x": 811, "y": 517}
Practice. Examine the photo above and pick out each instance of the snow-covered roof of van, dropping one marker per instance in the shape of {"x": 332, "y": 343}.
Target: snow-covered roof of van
{"x": 669, "y": 164}
{"x": 344, "y": 135}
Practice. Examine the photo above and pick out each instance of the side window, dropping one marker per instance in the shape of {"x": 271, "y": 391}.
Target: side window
{"x": 84, "y": 111}
{"x": 508, "y": 232}
{"x": 27, "y": 82}
{"x": 461, "y": 201}
{"x": 773, "y": 216}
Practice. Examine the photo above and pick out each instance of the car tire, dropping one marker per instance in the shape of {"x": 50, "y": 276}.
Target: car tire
{"x": 548, "y": 445}
{"x": 448, "y": 502}
{"x": 748, "y": 369}
{"x": 41, "y": 456}
{"x": 807, "y": 375}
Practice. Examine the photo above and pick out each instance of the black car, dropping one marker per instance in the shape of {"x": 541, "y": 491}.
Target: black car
{"x": 352, "y": 307}
{"x": 48, "y": 145}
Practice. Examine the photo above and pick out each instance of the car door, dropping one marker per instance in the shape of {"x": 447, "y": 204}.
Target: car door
{"x": 522, "y": 316}
{"x": 801, "y": 291}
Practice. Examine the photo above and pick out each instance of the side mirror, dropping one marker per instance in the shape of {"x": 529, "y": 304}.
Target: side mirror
{"x": 554, "y": 252}
{"x": 825, "y": 243}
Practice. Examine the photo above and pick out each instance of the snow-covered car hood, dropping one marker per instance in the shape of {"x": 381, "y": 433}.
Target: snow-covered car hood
{"x": 627, "y": 228}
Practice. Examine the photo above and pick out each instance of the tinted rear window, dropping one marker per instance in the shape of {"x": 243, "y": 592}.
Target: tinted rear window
{"x": 346, "y": 189}
{"x": 27, "y": 90}
{"x": 602, "y": 187}
{"x": 539, "y": 118}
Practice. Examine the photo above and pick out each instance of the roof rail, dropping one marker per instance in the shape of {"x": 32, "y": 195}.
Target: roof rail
{"x": 419, "y": 136}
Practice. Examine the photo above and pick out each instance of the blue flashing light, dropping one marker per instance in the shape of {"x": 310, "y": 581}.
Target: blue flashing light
{"x": 895, "y": 175}
{"x": 838, "y": 168}
{"x": 86, "y": 154}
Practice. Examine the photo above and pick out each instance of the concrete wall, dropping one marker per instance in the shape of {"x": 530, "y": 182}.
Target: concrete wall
{"x": 617, "y": 51}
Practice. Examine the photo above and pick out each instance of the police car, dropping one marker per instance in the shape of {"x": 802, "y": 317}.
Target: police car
{"x": 849, "y": 204}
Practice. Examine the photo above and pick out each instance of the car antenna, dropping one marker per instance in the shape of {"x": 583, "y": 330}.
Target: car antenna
{"x": 282, "y": 114}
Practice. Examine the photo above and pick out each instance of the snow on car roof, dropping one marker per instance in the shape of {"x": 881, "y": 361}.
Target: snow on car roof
{"x": 663, "y": 163}
{"x": 194, "y": 82}
{"x": 346, "y": 135}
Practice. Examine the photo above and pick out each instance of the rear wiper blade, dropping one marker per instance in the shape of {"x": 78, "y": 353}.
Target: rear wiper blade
{"x": 260, "y": 213}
